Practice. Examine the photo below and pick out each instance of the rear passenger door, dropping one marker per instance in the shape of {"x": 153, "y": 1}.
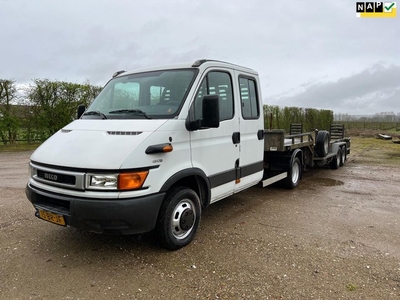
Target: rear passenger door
{"x": 215, "y": 150}
{"x": 251, "y": 132}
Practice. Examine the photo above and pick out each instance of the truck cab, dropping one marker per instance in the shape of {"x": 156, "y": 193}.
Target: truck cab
{"x": 155, "y": 148}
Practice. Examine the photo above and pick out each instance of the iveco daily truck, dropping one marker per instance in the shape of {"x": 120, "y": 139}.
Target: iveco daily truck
{"x": 159, "y": 145}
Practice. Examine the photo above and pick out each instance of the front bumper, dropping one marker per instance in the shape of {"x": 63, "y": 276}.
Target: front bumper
{"x": 114, "y": 216}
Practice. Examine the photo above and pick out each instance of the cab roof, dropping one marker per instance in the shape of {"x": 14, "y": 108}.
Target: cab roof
{"x": 200, "y": 64}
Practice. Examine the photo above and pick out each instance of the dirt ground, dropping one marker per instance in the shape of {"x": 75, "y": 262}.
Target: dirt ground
{"x": 337, "y": 236}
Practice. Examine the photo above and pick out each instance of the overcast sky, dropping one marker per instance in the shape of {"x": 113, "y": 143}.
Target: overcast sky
{"x": 309, "y": 53}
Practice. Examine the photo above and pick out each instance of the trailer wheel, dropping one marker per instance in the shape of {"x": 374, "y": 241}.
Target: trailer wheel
{"x": 179, "y": 218}
{"x": 322, "y": 143}
{"x": 335, "y": 163}
{"x": 294, "y": 174}
{"x": 343, "y": 157}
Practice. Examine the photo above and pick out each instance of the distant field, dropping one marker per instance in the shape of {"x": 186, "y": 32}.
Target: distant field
{"x": 392, "y": 126}
{"x": 372, "y": 133}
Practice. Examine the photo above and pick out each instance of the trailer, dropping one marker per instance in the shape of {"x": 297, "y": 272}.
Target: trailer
{"x": 286, "y": 157}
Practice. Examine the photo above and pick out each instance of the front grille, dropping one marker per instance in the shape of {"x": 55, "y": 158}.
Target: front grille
{"x": 60, "y": 178}
{"x": 55, "y": 177}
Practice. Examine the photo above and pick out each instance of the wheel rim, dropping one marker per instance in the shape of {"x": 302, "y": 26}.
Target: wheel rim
{"x": 326, "y": 145}
{"x": 338, "y": 157}
{"x": 183, "y": 219}
{"x": 343, "y": 155}
{"x": 295, "y": 172}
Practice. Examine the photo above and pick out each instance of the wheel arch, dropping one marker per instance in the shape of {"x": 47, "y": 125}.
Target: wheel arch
{"x": 194, "y": 179}
{"x": 337, "y": 145}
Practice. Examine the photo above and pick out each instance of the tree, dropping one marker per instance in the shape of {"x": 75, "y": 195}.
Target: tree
{"x": 385, "y": 117}
{"x": 55, "y": 103}
{"x": 9, "y": 119}
{"x": 281, "y": 118}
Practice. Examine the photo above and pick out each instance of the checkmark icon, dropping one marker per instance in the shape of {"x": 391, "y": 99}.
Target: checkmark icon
{"x": 389, "y": 7}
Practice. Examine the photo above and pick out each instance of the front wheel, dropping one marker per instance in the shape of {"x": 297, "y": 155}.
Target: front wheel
{"x": 179, "y": 218}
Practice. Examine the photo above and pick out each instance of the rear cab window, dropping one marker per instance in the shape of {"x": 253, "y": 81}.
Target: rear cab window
{"x": 249, "y": 98}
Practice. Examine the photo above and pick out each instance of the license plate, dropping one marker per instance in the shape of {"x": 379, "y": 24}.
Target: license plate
{"x": 51, "y": 217}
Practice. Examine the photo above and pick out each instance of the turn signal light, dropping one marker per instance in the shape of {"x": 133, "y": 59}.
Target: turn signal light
{"x": 167, "y": 148}
{"x": 131, "y": 181}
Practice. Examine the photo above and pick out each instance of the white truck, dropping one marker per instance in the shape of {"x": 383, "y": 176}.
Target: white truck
{"x": 159, "y": 145}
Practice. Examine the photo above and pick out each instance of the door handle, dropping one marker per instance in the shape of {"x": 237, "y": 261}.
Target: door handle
{"x": 236, "y": 137}
{"x": 260, "y": 134}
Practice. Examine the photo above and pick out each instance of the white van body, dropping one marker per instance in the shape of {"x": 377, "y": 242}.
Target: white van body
{"x": 148, "y": 154}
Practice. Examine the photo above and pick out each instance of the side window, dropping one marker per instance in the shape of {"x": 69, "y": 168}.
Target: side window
{"x": 249, "y": 98}
{"x": 216, "y": 83}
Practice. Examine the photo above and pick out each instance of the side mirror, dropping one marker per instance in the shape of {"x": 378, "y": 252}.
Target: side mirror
{"x": 210, "y": 111}
{"x": 81, "y": 110}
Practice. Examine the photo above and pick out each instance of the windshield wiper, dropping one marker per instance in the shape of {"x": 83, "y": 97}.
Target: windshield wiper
{"x": 95, "y": 113}
{"x": 130, "y": 111}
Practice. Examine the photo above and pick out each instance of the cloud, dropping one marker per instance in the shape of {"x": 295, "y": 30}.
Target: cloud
{"x": 373, "y": 90}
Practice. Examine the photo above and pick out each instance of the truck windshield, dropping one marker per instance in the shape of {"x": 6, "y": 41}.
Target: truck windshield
{"x": 151, "y": 95}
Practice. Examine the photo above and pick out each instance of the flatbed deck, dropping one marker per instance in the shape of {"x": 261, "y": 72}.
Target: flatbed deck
{"x": 276, "y": 140}
{"x": 295, "y": 141}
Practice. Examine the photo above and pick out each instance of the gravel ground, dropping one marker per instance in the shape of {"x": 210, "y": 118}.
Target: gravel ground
{"x": 337, "y": 236}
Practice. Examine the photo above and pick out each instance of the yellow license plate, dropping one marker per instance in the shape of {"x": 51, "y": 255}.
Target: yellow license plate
{"x": 51, "y": 217}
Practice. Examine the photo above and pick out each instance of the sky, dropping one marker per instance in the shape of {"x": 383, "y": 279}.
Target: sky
{"x": 310, "y": 53}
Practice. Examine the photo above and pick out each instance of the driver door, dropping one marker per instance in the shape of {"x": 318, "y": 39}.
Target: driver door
{"x": 215, "y": 150}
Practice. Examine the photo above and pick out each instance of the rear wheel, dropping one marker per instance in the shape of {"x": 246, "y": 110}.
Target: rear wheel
{"x": 343, "y": 157}
{"x": 294, "y": 175}
{"x": 335, "y": 163}
{"x": 179, "y": 218}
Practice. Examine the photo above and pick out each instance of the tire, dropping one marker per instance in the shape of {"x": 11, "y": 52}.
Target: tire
{"x": 294, "y": 174}
{"x": 335, "y": 163}
{"x": 343, "y": 157}
{"x": 322, "y": 143}
{"x": 179, "y": 218}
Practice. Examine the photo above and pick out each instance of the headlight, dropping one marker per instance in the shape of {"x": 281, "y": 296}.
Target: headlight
{"x": 102, "y": 181}
{"x": 31, "y": 170}
{"x": 122, "y": 181}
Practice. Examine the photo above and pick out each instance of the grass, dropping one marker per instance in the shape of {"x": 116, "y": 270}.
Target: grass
{"x": 369, "y": 150}
{"x": 18, "y": 147}
{"x": 366, "y": 148}
{"x": 351, "y": 287}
